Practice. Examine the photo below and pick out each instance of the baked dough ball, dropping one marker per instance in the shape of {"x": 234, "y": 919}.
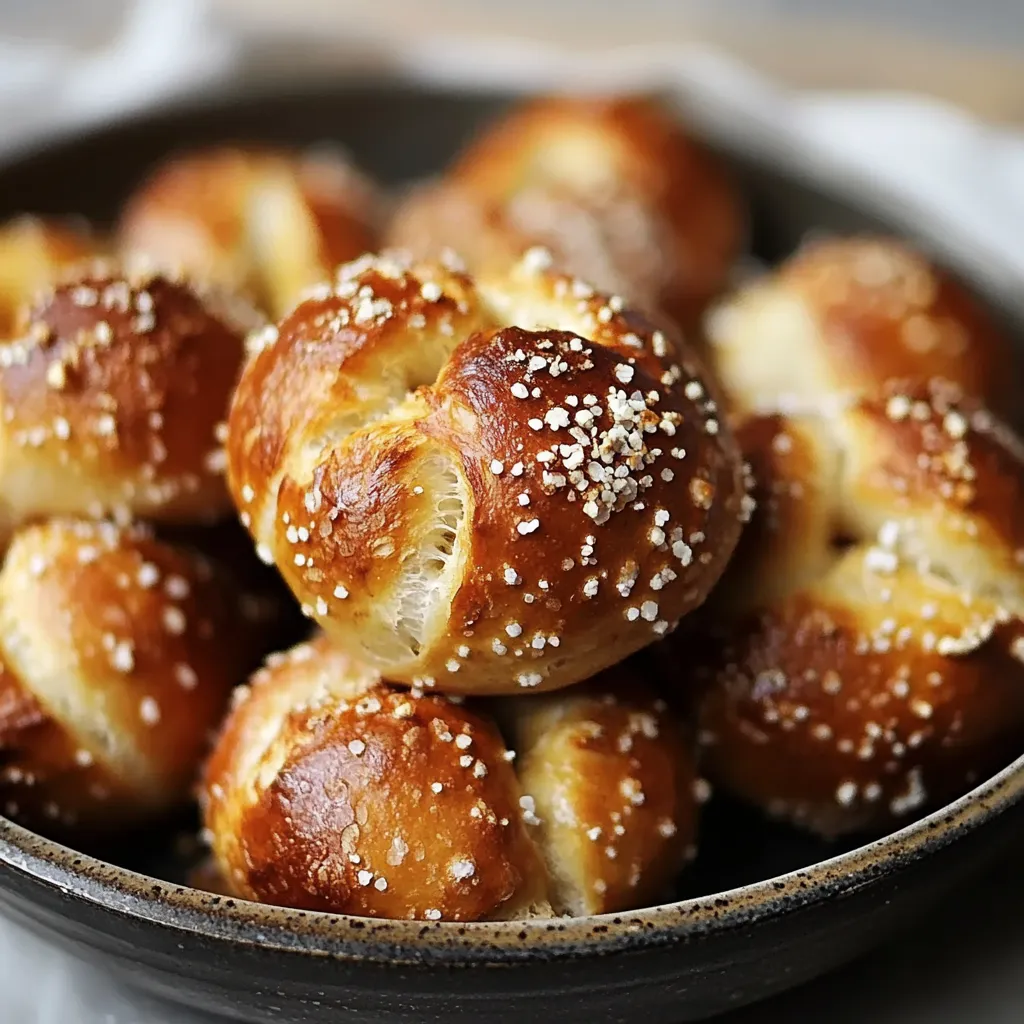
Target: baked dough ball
{"x": 34, "y": 253}
{"x": 614, "y": 187}
{"x": 110, "y": 398}
{"x": 868, "y": 662}
{"x": 843, "y": 317}
{"x": 331, "y": 790}
{"x": 268, "y": 222}
{"x": 484, "y": 485}
{"x": 117, "y": 657}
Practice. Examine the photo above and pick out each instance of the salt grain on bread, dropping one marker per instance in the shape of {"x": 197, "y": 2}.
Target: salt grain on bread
{"x": 614, "y": 187}
{"x": 268, "y": 222}
{"x": 331, "y": 790}
{"x": 487, "y": 486}
{"x": 117, "y": 657}
{"x": 112, "y": 393}
{"x": 873, "y": 664}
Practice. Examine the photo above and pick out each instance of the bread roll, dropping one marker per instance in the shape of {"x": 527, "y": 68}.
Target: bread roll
{"x": 268, "y": 222}
{"x": 614, "y": 788}
{"x": 331, "y": 790}
{"x": 844, "y": 317}
{"x": 486, "y": 485}
{"x": 117, "y": 656}
{"x": 34, "y": 253}
{"x": 614, "y": 187}
{"x": 870, "y": 659}
{"x": 112, "y": 398}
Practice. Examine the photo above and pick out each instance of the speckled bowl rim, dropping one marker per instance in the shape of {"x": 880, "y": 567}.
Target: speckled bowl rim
{"x": 344, "y": 936}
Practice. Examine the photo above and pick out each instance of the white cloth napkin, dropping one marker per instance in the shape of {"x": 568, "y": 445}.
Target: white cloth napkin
{"x": 928, "y": 164}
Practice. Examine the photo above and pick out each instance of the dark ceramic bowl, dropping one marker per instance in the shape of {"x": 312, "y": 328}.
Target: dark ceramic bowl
{"x": 763, "y": 909}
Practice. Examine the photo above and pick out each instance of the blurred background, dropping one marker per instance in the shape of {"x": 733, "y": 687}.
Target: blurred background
{"x": 970, "y": 53}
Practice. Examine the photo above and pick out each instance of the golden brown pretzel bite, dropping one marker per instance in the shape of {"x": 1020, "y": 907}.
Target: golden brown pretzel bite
{"x": 117, "y": 656}
{"x": 845, "y": 316}
{"x": 483, "y": 485}
{"x": 331, "y": 790}
{"x": 871, "y": 643}
{"x": 614, "y": 187}
{"x": 268, "y": 222}
{"x": 111, "y": 397}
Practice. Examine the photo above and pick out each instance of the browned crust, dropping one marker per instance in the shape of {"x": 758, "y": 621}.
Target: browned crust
{"x": 848, "y": 316}
{"x": 117, "y": 655}
{"x": 268, "y": 221}
{"x": 35, "y": 253}
{"x": 331, "y": 790}
{"x": 530, "y": 422}
{"x": 378, "y": 803}
{"x": 112, "y": 397}
{"x": 846, "y": 711}
{"x": 615, "y": 787}
{"x": 849, "y": 688}
{"x": 617, "y": 190}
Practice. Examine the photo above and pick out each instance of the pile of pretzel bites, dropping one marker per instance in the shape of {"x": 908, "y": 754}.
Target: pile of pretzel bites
{"x": 581, "y": 520}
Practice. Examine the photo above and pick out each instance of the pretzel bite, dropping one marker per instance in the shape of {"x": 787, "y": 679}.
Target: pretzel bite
{"x": 111, "y": 398}
{"x": 483, "y": 486}
{"x": 614, "y": 187}
{"x": 614, "y": 787}
{"x": 844, "y": 317}
{"x": 869, "y": 658}
{"x": 268, "y": 222}
{"x": 331, "y": 790}
{"x": 34, "y": 253}
{"x": 117, "y": 656}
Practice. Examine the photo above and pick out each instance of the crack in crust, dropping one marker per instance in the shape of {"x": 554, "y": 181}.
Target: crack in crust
{"x": 483, "y": 485}
{"x": 868, "y": 639}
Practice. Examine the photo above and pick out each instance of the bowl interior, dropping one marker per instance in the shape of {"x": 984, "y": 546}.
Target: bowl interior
{"x": 398, "y": 135}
